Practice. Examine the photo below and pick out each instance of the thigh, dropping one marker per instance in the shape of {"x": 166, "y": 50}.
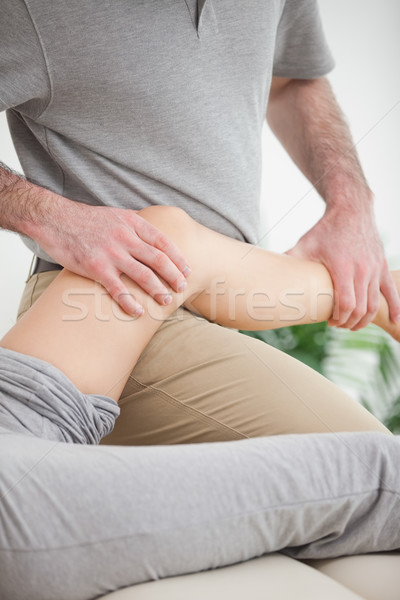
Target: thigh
{"x": 199, "y": 382}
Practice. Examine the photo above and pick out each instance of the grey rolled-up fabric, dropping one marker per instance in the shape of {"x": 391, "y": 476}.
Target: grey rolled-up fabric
{"x": 37, "y": 398}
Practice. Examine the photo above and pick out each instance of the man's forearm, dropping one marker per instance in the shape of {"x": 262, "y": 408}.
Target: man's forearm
{"x": 306, "y": 118}
{"x": 22, "y": 204}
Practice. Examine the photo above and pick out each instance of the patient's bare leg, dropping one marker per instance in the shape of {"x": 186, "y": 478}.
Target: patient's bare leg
{"x": 252, "y": 288}
{"x": 232, "y": 283}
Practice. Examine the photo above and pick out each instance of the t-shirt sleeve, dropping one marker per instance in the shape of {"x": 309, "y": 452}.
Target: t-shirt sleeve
{"x": 301, "y": 49}
{"x": 24, "y": 81}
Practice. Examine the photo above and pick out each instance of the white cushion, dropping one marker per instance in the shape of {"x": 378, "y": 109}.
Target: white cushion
{"x": 274, "y": 576}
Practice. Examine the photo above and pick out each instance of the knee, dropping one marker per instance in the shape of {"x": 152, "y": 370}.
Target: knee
{"x": 172, "y": 221}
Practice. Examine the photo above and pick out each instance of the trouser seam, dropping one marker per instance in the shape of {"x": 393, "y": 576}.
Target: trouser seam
{"x": 189, "y": 409}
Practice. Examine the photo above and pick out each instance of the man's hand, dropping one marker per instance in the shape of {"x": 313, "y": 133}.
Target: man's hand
{"x": 350, "y": 248}
{"x": 102, "y": 243}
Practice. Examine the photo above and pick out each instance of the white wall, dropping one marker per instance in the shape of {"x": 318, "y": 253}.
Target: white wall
{"x": 363, "y": 35}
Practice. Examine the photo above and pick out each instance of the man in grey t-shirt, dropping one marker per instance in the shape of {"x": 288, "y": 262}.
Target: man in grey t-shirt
{"x": 116, "y": 106}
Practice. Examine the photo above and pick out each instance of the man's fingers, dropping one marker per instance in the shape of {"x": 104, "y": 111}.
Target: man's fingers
{"x": 121, "y": 295}
{"x": 344, "y": 299}
{"x": 158, "y": 262}
{"x": 373, "y": 302}
{"x": 147, "y": 280}
{"x": 360, "y": 301}
{"x": 391, "y": 294}
{"x": 107, "y": 269}
{"x": 344, "y": 305}
{"x": 156, "y": 239}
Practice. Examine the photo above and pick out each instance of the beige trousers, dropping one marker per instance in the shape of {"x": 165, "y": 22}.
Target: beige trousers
{"x": 199, "y": 382}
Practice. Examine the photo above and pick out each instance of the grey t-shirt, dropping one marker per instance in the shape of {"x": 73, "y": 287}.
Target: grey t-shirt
{"x": 136, "y": 102}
